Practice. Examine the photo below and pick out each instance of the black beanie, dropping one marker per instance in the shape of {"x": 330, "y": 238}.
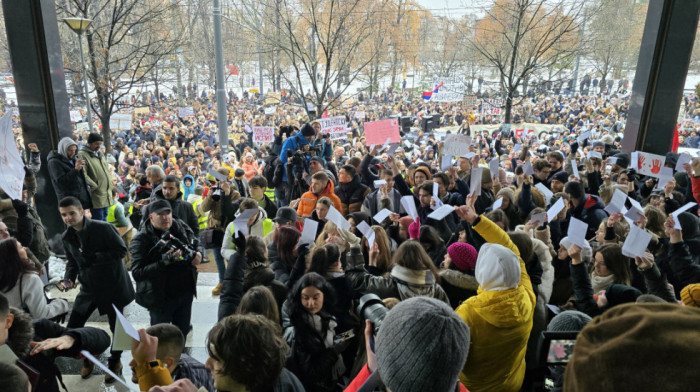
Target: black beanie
{"x": 308, "y": 130}
{"x": 95, "y": 137}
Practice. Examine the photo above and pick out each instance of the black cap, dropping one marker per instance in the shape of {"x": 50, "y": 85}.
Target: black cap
{"x": 317, "y": 159}
{"x": 95, "y": 137}
{"x": 285, "y": 215}
{"x": 561, "y": 176}
{"x": 159, "y": 206}
{"x": 308, "y": 130}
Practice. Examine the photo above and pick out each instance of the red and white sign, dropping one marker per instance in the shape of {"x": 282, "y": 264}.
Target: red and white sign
{"x": 377, "y": 132}
{"x": 649, "y": 164}
{"x": 263, "y": 134}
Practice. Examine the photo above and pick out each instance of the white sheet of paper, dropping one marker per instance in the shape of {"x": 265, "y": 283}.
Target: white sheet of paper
{"x": 497, "y": 204}
{"x": 124, "y": 332}
{"x": 104, "y": 368}
{"x": 364, "y": 228}
{"x": 582, "y": 137}
{"x": 469, "y": 155}
{"x": 475, "y": 181}
{"x": 635, "y": 211}
{"x": 682, "y": 159}
{"x": 517, "y": 147}
{"x": 594, "y": 154}
{"x": 527, "y": 169}
{"x": 665, "y": 176}
{"x": 441, "y": 212}
{"x": 545, "y": 191}
{"x": 634, "y": 160}
{"x": 555, "y": 209}
{"x": 8, "y": 356}
{"x": 381, "y": 215}
{"x": 392, "y": 149}
{"x": 493, "y": 166}
{"x": 438, "y": 202}
{"x": 336, "y": 217}
{"x": 574, "y": 169}
{"x": 636, "y": 242}
{"x": 409, "y": 205}
{"x": 617, "y": 202}
{"x": 538, "y": 219}
{"x": 308, "y": 235}
{"x": 386, "y": 145}
{"x": 554, "y": 308}
{"x": 577, "y": 232}
{"x": 446, "y": 162}
{"x": 612, "y": 160}
{"x": 379, "y": 183}
{"x": 240, "y": 224}
{"x": 686, "y": 207}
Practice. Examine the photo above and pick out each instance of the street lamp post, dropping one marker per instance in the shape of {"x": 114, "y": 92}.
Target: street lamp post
{"x": 79, "y": 25}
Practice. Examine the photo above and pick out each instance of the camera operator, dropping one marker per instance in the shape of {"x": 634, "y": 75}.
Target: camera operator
{"x": 298, "y": 142}
{"x": 164, "y": 260}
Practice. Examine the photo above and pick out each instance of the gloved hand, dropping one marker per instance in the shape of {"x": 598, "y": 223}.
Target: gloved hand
{"x": 574, "y": 147}
{"x": 348, "y": 237}
{"x": 414, "y": 229}
{"x": 239, "y": 242}
{"x": 21, "y": 207}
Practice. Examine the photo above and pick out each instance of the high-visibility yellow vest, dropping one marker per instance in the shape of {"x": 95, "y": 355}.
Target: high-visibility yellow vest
{"x": 110, "y": 214}
{"x": 201, "y": 218}
{"x": 270, "y": 193}
{"x": 268, "y": 226}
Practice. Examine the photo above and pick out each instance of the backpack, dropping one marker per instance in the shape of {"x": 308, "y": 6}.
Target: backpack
{"x": 271, "y": 163}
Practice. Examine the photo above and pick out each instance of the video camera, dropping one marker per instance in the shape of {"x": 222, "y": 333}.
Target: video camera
{"x": 169, "y": 242}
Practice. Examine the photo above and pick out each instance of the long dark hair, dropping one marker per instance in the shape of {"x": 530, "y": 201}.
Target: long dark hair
{"x": 297, "y": 310}
{"x": 286, "y": 239}
{"x": 12, "y": 265}
{"x": 323, "y": 257}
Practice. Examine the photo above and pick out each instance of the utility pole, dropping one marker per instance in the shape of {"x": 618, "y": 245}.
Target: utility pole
{"x": 220, "y": 88}
{"x": 580, "y": 49}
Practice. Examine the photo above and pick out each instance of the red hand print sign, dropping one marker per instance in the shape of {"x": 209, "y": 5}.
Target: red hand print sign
{"x": 649, "y": 164}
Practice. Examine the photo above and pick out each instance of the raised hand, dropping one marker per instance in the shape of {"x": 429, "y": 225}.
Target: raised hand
{"x": 467, "y": 211}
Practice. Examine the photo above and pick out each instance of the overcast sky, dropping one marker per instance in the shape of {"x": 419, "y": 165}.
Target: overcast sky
{"x": 453, "y": 8}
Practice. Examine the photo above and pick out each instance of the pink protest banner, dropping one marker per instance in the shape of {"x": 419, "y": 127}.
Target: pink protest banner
{"x": 377, "y": 132}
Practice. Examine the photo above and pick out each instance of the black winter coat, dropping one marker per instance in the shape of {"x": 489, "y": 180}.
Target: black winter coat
{"x": 239, "y": 278}
{"x": 66, "y": 180}
{"x": 95, "y": 256}
{"x": 157, "y": 282}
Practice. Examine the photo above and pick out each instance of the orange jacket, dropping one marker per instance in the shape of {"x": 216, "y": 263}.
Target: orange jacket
{"x": 308, "y": 200}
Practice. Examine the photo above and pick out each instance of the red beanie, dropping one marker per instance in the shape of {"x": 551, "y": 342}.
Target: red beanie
{"x": 463, "y": 256}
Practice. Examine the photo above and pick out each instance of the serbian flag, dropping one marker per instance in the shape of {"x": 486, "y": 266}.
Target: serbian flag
{"x": 674, "y": 146}
{"x": 428, "y": 94}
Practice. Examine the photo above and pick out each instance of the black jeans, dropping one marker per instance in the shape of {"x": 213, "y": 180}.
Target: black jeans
{"x": 177, "y": 311}
{"x": 78, "y": 319}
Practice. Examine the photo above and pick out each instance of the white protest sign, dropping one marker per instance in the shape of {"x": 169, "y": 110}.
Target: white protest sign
{"x": 240, "y": 224}
{"x": 577, "y": 232}
{"x": 676, "y": 222}
{"x": 636, "y": 242}
{"x": 123, "y": 332}
{"x": 409, "y": 204}
{"x": 475, "y": 181}
{"x": 493, "y": 166}
{"x": 367, "y": 232}
{"x": 270, "y": 110}
{"x": 574, "y": 169}
{"x": 617, "y": 203}
{"x": 11, "y": 165}
{"x": 635, "y": 211}
{"x": 336, "y": 217}
{"x": 436, "y": 195}
{"x": 381, "y": 215}
{"x": 554, "y": 210}
{"x": 442, "y": 212}
{"x": 497, "y": 204}
{"x": 308, "y": 235}
{"x": 76, "y": 116}
{"x": 185, "y": 112}
{"x": 447, "y": 89}
{"x": 583, "y": 137}
{"x": 456, "y": 145}
{"x": 379, "y": 183}
{"x": 538, "y": 219}
{"x": 120, "y": 121}
{"x": 527, "y": 169}
{"x": 446, "y": 162}
{"x": 649, "y": 164}
{"x": 333, "y": 126}
{"x": 545, "y": 191}
{"x": 683, "y": 159}
{"x": 263, "y": 134}
{"x": 105, "y": 369}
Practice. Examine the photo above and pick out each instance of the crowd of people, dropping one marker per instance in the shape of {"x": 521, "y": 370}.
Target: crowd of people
{"x": 348, "y": 266}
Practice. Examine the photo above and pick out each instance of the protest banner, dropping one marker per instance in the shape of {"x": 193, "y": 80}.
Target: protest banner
{"x": 142, "y": 110}
{"x": 263, "y": 134}
{"x": 76, "y": 116}
{"x": 83, "y": 126}
{"x": 359, "y": 115}
{"x": 272, "y": 98}
{"x": 446, "y": 89}
{"x": 492, "y": 106}
{"x": 270, "y": 110}
{"x": 185, "y": 112}
{"x": 120, "y": 122}
{"x": 333, "y": 125}
{"x": 377, "y": 132}
{"x": 470, "y": 100}
{"x": 456, "y": 145}
{"x": 11, "y": 165}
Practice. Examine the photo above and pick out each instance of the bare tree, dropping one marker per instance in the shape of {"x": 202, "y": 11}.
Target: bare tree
{"x": 125, "y": 42}
{"x": 521, "y": 37}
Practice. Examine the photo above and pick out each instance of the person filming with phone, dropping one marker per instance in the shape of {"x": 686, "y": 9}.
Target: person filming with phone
{"x": 67, "y": 174}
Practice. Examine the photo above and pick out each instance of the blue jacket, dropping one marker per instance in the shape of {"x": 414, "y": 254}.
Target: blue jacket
{"x": 295, "y": 142}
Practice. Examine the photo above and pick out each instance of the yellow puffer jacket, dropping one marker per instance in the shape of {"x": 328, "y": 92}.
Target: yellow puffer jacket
{"x": 499, "y": 324}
